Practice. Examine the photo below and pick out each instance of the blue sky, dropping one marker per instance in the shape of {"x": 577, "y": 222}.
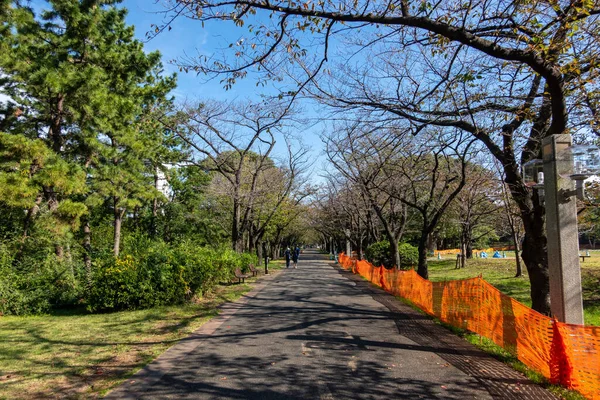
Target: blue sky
{"x": 187, "y": 37}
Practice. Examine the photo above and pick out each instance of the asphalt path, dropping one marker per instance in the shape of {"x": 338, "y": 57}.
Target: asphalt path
{"x": 318, "y": 332}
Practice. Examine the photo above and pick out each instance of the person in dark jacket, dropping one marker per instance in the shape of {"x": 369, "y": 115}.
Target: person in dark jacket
{"x": 296, "y": 256}
{"x": 288, "y": 256}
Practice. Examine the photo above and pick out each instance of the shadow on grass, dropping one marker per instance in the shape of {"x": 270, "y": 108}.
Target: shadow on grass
{"x": 519, "y": 290}
{"x": 72, "y": 353}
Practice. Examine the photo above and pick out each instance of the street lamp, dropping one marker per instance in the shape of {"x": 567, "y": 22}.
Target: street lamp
{"x": 579, "y": 162}
{"x": 563, "y": 164}
{"x": 553, "y": 179}
{"x": 533, "y": 176}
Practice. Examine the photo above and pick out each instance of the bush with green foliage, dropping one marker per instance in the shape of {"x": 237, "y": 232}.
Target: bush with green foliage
{"x": 379, "y": 253}
{"x": 148, "y": 273}
{"x": 35, "y": 282}
{"x": 409, "y": 255}
{"x": 151, "y": 273}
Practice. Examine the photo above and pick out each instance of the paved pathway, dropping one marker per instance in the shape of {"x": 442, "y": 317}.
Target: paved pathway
{"x": 318, "y": 332}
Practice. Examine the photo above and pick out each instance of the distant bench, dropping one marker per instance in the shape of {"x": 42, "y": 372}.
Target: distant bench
{"x": 583, "y": 258}
{"x": 253, "y": 269}
{"x": 241, "y": 277}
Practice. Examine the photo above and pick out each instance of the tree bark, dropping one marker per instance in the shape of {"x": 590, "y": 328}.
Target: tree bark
{"x": 153, "y": 223}
{"x": 237, "y": 239}
{"x": 87, "y": 250}
{"x": 259, "y": 247}
{"x": 536, "y": 261}
{"x": 118, "y": 218}
{"x": 395, "y": 254}
{"x": 59, "y": 250}
{"x": 432, "y": 242}
{"x": 469, "y": 244}
{"x": 31, "y": 213}
{"x": 359, "y": 253}
{"x": 276, "y": 251}
{"x": 535, "y": 243}
{"x": 519, "y": 271}
{"x": 422, "y": 268}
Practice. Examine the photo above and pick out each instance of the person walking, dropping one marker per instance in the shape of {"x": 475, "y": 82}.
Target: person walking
{"x": 296, "y": 256}
{"x": 288, "y": 256}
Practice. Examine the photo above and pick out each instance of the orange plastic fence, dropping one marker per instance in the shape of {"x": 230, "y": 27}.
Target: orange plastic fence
{"x": 564, "y": 353}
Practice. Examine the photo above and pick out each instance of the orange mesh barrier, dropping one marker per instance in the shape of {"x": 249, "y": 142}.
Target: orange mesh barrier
{"x": 564, "y": 353}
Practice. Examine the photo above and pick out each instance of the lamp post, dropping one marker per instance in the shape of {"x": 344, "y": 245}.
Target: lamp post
{"x": 553, "y": 178}
{"x": 264, "y": 249}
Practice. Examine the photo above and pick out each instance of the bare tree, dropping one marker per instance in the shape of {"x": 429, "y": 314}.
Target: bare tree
{"x": 436, "y": 171}
{"x": 476, "y": 207}
{"x": 361, "y": 155}
{"x": 236, "y": 141}
{"x": 510, "y": 73}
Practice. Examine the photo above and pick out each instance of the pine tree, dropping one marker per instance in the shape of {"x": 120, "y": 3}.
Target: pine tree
{"x": 80, "y": 83}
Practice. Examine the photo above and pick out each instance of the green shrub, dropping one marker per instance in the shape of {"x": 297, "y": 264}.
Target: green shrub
{"x": 409, "y": 255}
{"x": 157, "y": 273}
{"x": 246, "y": 259}
{"x": 149, "y": 273}
{"x": 117, "y": 286}
{"x": 379, "y": 253}
{"x": 148, "y": 277}
{"x": 36, "y": 283}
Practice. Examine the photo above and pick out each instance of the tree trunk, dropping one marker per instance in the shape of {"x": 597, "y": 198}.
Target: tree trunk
{"x": 31, "y": 213}
{"x": 259, "y": 246}
{"x": 276, "y": 251}
{"x": 534, "y": 252}
{"x": 535, "y": 257}
{"x": 252, "y": 242}
{"x": 54, "y": 134}
{"x": 519, "y": 271}
{"x": 52, "y": 200}
{"x": 536, "y": 261}
{"x": 422, "y": 268}
{"x": 469, "y": 244}
{"x": 360, "y": 248}
{"x": 59, "y": 251}
{"x": 432, "y": 242}
{"x": 118, "y": 218}
{"x": 153, "y": 223}
{"x": 87, "y": 250}
{"x": 237, "y": 240}
{"x": 395, "y": 254}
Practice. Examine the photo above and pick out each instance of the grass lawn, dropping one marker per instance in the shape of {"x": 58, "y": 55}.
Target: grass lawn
{"x": 501, "y": 272}
{"x": 74, "y": 354}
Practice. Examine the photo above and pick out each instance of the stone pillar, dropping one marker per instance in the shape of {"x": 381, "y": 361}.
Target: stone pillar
{"x": 563, "y": 237}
